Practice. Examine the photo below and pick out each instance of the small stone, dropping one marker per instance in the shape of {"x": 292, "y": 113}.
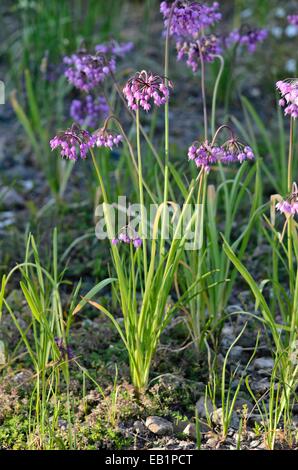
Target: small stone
{"x": 23, "y": 377}
{"x": 238, "y": 437}
{"x": 159, "y": 426}
{"x": 295, "y": 422}
{"x": 228, "y": 331}
{"x": 190, "y": 431}
{"x": 264, "y": 363}
{"x": 7, "y": 218}
{"x": 254, "y": 444}
{"x": 236, "y": 353}
{"x": 250, "y": 435}
{"x": 260, "y": 386}
{"x": 217, "y": 418}
{"x": 179, "y": 426}
{"x": 62, "y": 423}
{"x": 201, "y": 406}
{"x": 212, "y": 442}
{"x": 28, "y": 185}
{"x": 139, "y": 427}
{"x": 2, "y": 353}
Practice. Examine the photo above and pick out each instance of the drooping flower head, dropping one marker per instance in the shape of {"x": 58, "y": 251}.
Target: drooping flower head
{"x": 207, "y": 154}
{"x": 144, "y": 88}
{"x": 236, "y": 152}
{"x": 189, "y": 18}
{"x": 128, "y": 235}
{"x": 85, "y": 71}
{"x": 204, "y": 155}
{"x": 247, "y": 37}
{"x": 74, "y": 142}
{"x": 207, "y": 47}
{"x": 107, "y": 138}
{"x": 289, "y": 96}
{"x": 293, "y": 20}
{"x": 289, "y": 206}
{"x": 89, "y": 111}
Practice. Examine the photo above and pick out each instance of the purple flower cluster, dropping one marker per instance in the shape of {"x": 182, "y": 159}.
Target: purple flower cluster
{"x": 293, "y": 19}
{"x": 289, "y": 96}
{"x": 129, "y": 236}
{"x": 145, "y": 87}
{"x": 189, "y": 18}
{"x": 207, "y": 154}
{"x": 74, "y": 142}
{"x": 114, "y": 48}
{"x": 88, "y": 111}
{"x": 105, "y": 138}
{"x": 207, "y": 46}
{"x": 85, "y": 71}
{"x": 288, "y": 207}
{"x": 250, "y": 38}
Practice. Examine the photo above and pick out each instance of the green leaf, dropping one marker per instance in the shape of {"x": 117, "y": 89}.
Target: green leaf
{"x": 255, "y": 290}
{"x": 101, "y": 285}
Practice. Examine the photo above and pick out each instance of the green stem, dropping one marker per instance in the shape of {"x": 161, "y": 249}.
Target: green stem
{"x": 141, "y": 192}
{"x": 99, "y": 177}
{"x": 198, "y": 273}
{"x": 215, "y": 92}
{"x": 132, "y": 155}
{"x": 290, "y": 221}
{"x": 291, "y": 154}
{"x": 204, "y": 94}
{"x": 166, "y": 168}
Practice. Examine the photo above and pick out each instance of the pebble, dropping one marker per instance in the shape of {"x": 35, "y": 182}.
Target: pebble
{"x": 201, "y": 406}
{"x": 217, "y": 418}
{"x": 212, "y": 442}
{"x": 159, "y": 426}
{"x": 7, "y": 218}
{"x": 254, "y": 444}
{"x": 263, "y": 363}
{"x": 190, "y": 431}
{"x": 139, "y": 426}
{"x": 236, "y": 353}
{"x": 260, "y": 386}
{"x": 2, "y": 353}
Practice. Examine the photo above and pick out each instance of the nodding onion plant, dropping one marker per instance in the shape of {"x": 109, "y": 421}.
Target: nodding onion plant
{"x": 149, "y": 266}
{"x": 284, "y": 330}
